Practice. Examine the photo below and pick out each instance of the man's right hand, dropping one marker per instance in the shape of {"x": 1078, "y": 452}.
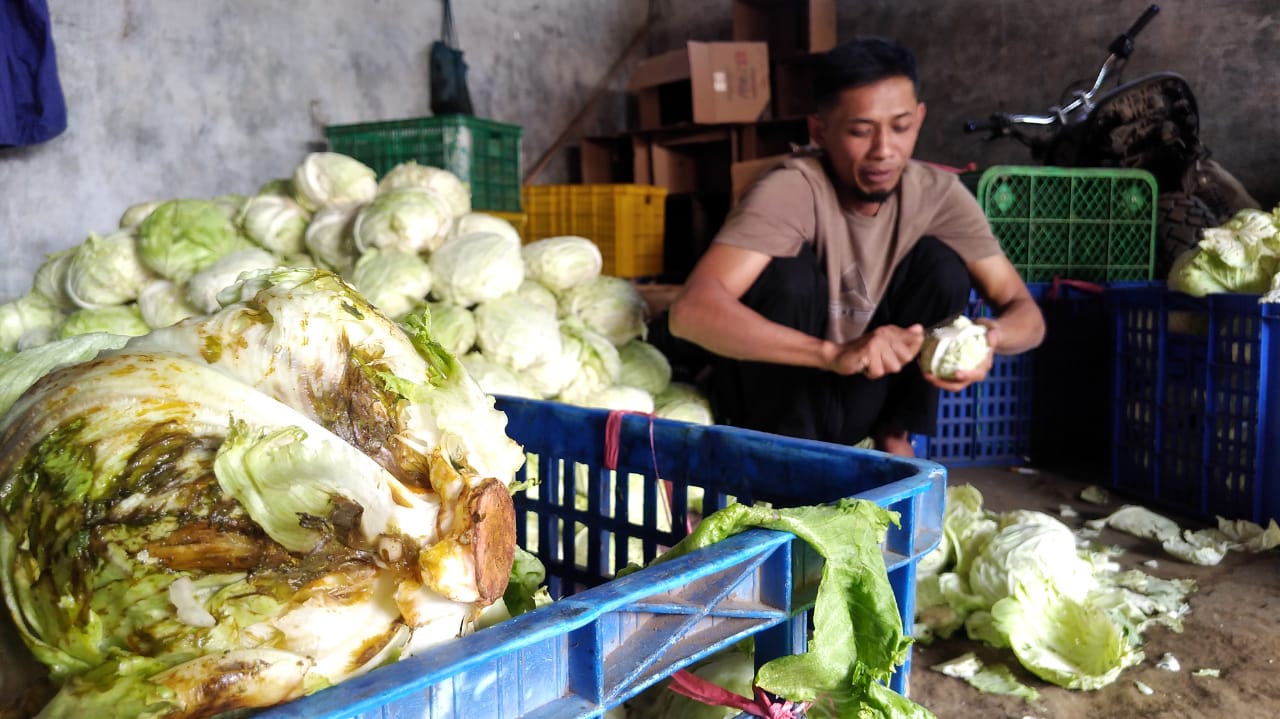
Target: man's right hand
{"x": 883, "y": 351}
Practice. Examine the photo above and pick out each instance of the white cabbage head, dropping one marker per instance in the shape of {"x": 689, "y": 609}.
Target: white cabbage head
{"x": 329, "y": 237}
{"x": 515, "y": 333}
{"x": 106, "y": 271}
{"x": 608, "y": 305}
{"x": 404, "y": 220}
{"x": 561, "y": 263}
{"x": 392, "y": 281}
{"x": 327, "y": 178}
{"x": 204, "y": 286}
{"x": 960, "y": 345}
{"x": 276, "y": 222}
{"x": 412, "y": 175}
{"x": 476, "y": 268}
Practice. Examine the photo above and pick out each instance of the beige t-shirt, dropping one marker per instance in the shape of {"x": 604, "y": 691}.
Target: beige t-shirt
{"x": 796, "y": 203}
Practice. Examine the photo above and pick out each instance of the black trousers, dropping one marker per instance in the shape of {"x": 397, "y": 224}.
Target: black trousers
{"x": 929, "y": 285}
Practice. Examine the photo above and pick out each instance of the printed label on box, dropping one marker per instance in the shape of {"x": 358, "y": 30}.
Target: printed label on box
{"x": 719, "y": 81}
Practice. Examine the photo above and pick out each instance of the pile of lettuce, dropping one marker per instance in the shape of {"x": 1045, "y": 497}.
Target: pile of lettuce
{"x": 1025, "y": 581}
{"x": 1242, "y": 255}
{"x": 534, "y": 320}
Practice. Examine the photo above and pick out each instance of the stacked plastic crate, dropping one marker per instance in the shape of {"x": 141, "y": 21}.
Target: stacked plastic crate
{"x": 1071, "y": 233}
{"x": 1196, "y": 407}
{"x": 483, "y": 153}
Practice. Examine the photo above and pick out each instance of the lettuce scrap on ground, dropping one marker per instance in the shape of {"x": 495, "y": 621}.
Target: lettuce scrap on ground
{"x": 1021, "y": 580}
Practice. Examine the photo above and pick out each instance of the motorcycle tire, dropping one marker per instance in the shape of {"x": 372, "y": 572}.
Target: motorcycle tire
{"x": 1179, "y": 219}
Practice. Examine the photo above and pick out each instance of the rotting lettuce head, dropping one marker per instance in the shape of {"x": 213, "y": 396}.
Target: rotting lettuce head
{"x": 206, "y": 530}
{"x": 310, "y": 340}
{"x": 288, "y": 492}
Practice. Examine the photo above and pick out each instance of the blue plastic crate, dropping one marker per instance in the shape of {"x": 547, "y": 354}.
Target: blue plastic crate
{"x": 1196, "y": 413}
{"x": 606, "y": 640}
{"x": 989, "y": 422}
{"x": 1071, "y": 378}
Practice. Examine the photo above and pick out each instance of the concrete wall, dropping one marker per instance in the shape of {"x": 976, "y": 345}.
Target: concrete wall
{"x": 194, "y": 98}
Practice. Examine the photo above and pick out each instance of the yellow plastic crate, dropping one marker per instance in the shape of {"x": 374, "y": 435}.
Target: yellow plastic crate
{"x": 519, "y": 220}
{"x": 625, "y": 221}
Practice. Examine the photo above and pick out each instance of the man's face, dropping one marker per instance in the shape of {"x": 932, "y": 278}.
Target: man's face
{"x": 870, "y": 134}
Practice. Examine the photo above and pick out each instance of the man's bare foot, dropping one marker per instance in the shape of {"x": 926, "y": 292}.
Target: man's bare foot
{"x": 894, "y": 441}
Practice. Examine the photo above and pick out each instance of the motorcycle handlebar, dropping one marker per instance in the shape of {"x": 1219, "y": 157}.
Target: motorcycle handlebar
{"x": 1122, "y": 46}
{"x": 1149, "y": 13}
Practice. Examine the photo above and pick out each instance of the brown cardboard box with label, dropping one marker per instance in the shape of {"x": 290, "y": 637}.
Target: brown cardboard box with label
{"x": 789, "y": 27}
{"x": 706, "y": 83}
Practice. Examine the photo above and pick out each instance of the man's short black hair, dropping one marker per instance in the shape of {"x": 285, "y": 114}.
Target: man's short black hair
{"x": 861, "y": 61}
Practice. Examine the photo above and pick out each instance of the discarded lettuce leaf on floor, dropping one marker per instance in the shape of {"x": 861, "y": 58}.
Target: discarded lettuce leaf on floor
{"x": 1025, "y": 581}
{"x": 993, "y": 679}
{"x": 1205, "y": 547}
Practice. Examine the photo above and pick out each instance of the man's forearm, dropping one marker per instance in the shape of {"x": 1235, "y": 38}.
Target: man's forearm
{"x": 723, "y": 325}
{"x": 1021, "y": 326}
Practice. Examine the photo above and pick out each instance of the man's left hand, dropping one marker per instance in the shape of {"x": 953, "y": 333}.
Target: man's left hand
{"x": 964, "y": 378}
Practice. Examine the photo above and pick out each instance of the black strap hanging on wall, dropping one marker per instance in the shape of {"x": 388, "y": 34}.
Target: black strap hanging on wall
{"x": 449, "y": 95}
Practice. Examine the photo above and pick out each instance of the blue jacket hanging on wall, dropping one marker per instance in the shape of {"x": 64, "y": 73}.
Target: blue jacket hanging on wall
{"x": 32, "y": 108}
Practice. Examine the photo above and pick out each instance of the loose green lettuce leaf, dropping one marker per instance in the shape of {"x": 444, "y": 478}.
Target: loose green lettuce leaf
{"x": 857, "y": 636}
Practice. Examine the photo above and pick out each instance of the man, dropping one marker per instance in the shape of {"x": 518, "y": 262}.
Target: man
{"x": 816, "y": 292}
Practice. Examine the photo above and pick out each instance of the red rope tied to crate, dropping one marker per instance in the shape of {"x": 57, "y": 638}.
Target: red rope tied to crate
{"x": 686, "y": 683}
{"x": 1058, "y": 283}
{"x": 612, "y": 432}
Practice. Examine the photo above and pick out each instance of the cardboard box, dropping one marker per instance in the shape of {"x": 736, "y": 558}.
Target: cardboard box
{"x": 706, "y": 83}
{"x": 693, "y": 219}
{"x": 789, "y": 27}
{"x": 686, "y": 161}
{"x": 792, "y": 90}
{"x": 771, "y": 137}
{"x": 605, "y": 160}
{"x": 744, "y": 173}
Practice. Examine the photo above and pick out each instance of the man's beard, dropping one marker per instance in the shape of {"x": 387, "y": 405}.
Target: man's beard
{"x": 862, "y": 195}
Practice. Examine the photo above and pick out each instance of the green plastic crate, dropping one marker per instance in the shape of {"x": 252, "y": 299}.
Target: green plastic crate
{"x": 481, "y": 152}
{"x": 1080, "y": 223}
